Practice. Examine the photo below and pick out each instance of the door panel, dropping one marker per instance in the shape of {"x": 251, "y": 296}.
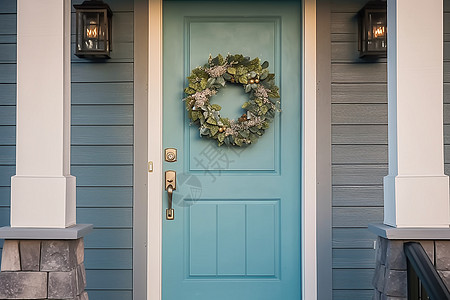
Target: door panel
{"x": 236, "y": 232}
{"x": 234, "y": 227}
{"x": 265, "y": 30}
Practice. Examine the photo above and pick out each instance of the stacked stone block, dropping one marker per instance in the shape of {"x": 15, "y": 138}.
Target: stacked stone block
{"x": 43, "y": 269}
{"x": 390, "y": 278}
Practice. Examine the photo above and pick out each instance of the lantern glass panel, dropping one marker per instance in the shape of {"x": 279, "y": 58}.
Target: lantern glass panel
{"x": 376, "y": 31}
{"x": 92, "y": 29}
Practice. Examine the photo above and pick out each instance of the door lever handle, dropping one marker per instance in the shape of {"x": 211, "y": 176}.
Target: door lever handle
{"x": 171, "y": 184}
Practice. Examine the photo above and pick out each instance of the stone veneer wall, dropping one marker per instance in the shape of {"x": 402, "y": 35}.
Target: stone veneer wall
{"x": 43, "y": 269}
{"x": 390, "y": 278}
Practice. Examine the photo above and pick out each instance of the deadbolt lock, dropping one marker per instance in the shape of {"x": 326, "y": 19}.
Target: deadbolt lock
{"x": 170, "y": 154}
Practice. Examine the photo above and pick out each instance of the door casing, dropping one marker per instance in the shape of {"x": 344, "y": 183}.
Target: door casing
{"x": 309, "y": 148}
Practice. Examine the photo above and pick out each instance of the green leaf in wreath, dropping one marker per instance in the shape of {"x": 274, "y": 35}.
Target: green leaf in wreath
{"x": 220, "y": 80}
{"x": 225, "y": 121}
{"x": 189, "y": 91}
{"x": 253, "y": 130}
{"x": 254, "y": 65}
{"x": 226, "y": 76}
{"x": 243, "y": 79}
{"x": 248, "y": 88}
{"x": 238, "y": 142}
{"x": 211, "y": 121}
{"x": 231, "y": 70}
{"x": 244, "y": 106}
{"x": 244, "y": 133}
{"x": 253, "y": 137}
{"x": 203, "y": 83}
{"x": 264, "y": 75}
{"x": 195, "y": 115}
{"x": 210, "y": 82}
{"x": 221, "y": 137}
{"x": 215, "y": 61}
{"x": 265, "y": 125}
{"x": 252, "y": 107}
{"x": 264, "y": 109}
{"x": 213, "y": 129}
{"x": 241, "y": 70}
{"x": 200, "y": 73}
{"x": 265, "y": 65}
{"x": 216, "y": 107}
{"x": 227, "y": 140}
{"x": 274, "y": 93}
{"x": 220, "y": 59}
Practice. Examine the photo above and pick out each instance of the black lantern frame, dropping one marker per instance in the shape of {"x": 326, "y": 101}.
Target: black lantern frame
{"x": 372, "y": 29}
{"x": 93, "y": 29}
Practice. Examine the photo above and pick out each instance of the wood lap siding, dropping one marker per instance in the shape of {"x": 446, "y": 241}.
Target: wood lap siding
{"x": 359, "y": 149}
{"x": 359, "y": 154}
{"x": 102, "y": 158}
{"x": 102, "y": 148}
{"x": 8, "y": 48}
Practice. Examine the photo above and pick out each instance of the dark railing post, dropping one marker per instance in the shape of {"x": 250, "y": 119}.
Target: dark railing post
{"x": 422, "y": 276}
{"x": 413, "y": 283}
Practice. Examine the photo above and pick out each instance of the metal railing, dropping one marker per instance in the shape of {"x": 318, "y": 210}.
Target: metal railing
{"x": 424, "y": 281}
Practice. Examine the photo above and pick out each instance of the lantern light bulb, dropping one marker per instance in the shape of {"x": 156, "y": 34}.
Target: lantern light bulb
{"x": 379, "y": 32}
{"x": 91, "y": 32}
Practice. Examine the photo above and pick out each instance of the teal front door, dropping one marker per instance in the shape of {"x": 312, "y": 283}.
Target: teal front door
{"x": 236, "y": 227}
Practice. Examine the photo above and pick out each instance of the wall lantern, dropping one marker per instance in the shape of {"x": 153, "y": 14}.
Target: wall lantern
{"x": 372, "y": 33}
{"x": 93, "y": 33}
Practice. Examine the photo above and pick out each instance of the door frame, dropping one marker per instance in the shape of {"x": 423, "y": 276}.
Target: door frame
{"x": 309, "y": 151}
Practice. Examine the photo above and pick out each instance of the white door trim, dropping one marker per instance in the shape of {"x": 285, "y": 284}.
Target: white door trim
{"x": 155, "y": 100}
{"x": 155, "y": 148}
{"x": 309, "y": 152}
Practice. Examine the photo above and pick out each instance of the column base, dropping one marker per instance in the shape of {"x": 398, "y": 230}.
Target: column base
{"x": 416, "y": 201}
{"x": 43, "y": 269}
{"x": 390, "y": 277}
{"x": 43, "y": 202}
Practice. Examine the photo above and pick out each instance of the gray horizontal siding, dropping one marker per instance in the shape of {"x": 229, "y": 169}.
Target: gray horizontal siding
{"x": 359, "y": 148}
{"x": 7, "y": 106}
{"x": 102, "y": 158}
{"x": 359, "y": 154}
{"x": 359, "y": 93}
{"x": 102, "y": 149}
{"x": 358, "y": 196}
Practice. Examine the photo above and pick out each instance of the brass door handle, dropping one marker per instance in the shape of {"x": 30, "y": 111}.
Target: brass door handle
{"x": 171, "y": 185}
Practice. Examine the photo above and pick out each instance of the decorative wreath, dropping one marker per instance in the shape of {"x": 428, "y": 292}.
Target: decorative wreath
{"x": 261, "y": 107}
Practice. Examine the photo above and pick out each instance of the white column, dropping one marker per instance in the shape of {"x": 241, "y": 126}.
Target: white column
{"x": 416, "y": 191}
{"x": 43, "y": 191}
